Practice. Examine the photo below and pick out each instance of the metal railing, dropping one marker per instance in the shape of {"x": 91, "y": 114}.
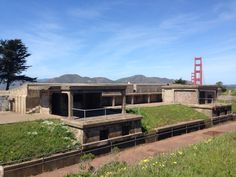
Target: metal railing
{"x": 84, "y": 113}
{"x": 206, "y": 100}
{"x": 146, "y": 138}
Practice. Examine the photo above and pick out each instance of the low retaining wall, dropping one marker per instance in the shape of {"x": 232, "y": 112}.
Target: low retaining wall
{"x": 41, "y": 165}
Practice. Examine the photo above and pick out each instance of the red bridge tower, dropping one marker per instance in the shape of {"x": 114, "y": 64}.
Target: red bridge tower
{"x": 196, "y": 77}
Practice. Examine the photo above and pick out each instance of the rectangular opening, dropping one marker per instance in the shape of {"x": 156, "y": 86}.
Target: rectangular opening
{"x": 126, "y": 129}
{"x": 104, "y": 134}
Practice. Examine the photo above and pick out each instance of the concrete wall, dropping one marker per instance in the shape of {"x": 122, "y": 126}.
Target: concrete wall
{"x": 215, "y": 111}
{"x": 4, "y": 103}
{"x": 142, "y": 88}
{"x": 45, "y": 102}
{"x": 183, "y": 96}
{"x": 148, "y": 88}
{"x": 115, "y": 130}
{"x": 168, "y": 95}
{"x": 186, "y": 96}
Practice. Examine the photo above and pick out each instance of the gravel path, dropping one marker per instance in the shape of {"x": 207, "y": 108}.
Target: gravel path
{"x": 135, "y": 154}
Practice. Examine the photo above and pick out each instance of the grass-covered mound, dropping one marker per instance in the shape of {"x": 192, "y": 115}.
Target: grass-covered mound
{"x": 157, "y": 116}
{"x": 213, "y": 157}
{"x": 234, "y": 107}
{"x": 28, "y": 140}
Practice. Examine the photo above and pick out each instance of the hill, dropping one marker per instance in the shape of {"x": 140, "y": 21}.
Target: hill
{"x": 75, "y": 78}
{"x": 144, "y": 79}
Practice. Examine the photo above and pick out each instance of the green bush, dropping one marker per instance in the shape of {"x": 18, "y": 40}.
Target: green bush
{"x": 88, "y": 156}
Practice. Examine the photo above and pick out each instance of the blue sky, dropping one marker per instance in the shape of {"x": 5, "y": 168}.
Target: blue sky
{"x": 119, "y": 38}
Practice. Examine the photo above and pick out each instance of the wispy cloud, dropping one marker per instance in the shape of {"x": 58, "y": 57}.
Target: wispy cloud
{"x": 90, "y": 42}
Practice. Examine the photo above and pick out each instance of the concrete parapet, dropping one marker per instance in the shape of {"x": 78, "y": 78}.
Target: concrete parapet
{"x": 1, "y": 171}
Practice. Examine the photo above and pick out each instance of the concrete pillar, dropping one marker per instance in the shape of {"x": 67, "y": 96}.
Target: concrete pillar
{"x": 17, "y": 103}
{"x": 123, "y": 102}
{"x": 50, "y": 101}
{"x": 206, "y": 98}
{"x": 149, "y": 98}
{"x": 132, "y": 99}
{"x": 198, "y": 97}
{"x": 23, "y": 104}
{"x": 70, "y": 103}
{"x": 113, "y": 101}
{"x": 1, "y": 171}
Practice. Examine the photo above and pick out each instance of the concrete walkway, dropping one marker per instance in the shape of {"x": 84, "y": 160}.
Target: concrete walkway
{"x": 12, "y": 117}
{"x": 135, "y": 154}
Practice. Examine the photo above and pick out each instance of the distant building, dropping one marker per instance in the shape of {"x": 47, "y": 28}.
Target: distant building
{"x": 203, "y": 98}
{"x": 189, "y": 94}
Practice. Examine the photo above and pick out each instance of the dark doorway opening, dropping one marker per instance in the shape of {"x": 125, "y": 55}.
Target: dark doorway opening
{"x": 59, "y": 104}
{"x": 126, "y": 129}
{"x": 202, "y": 96}
{"x": 104, "y": 134}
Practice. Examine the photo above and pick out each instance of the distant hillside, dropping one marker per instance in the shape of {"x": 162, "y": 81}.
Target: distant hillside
{"x": 14, "y": 85}
{"x": 144, "y": 79}
{"x": 233, "y": 86}
{"x": 74, "y": 78}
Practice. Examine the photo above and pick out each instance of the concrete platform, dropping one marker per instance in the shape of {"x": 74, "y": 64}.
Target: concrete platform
{"x": 208, "y": 106}
{"x": 101, "y": 120}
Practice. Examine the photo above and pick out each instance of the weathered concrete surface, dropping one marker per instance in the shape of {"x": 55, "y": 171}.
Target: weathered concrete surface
{"x": 135, "y": 154}
{"x": 88, "y": 129}
{"x": 1, "y": 171}
{"x": 189, "y": 94}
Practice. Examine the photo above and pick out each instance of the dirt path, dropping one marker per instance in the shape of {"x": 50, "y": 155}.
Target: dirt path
{"x": 135, "y": 154}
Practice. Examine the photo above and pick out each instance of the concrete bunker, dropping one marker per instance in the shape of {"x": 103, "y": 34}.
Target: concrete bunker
{"x": 189, "y": 94}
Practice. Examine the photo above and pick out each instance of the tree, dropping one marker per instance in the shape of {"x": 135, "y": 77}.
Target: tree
{"x": 180, "y": 81}
{"x": 221, "y": 85}
{"x": 13, "y": 54}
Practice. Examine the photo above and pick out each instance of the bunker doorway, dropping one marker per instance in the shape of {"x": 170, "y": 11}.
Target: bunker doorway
{"x": 59, "y": 104}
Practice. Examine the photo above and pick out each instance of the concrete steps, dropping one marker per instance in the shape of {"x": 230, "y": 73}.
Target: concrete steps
{"x": 34, "y": 110}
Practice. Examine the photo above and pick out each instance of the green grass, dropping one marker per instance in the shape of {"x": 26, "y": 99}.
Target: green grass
{"x": 28, "y": 140}
{"x": 233, "y": 92}
{"x": 229, "y": 102}
{"x": 234, "y": 107}
{"x": 154, "y": 117}
{"x": 213, "y": 157}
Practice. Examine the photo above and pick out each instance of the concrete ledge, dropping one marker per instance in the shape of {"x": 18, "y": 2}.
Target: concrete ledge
{"x": 41, "y": 165}
{"x": 101, "y": 120}
{"x": 178, "y": 125}
{"x": 110, "y": 140}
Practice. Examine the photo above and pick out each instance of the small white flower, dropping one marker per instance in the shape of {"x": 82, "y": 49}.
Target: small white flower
{"x": 47, "y": 122}
{"x": 32, "y": 133}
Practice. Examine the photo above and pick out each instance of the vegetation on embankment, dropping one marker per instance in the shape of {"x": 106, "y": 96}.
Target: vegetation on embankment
{"x": 28, "y": 140}
{"x": 158, "y": 116}
{"x": 213, "y": 157}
